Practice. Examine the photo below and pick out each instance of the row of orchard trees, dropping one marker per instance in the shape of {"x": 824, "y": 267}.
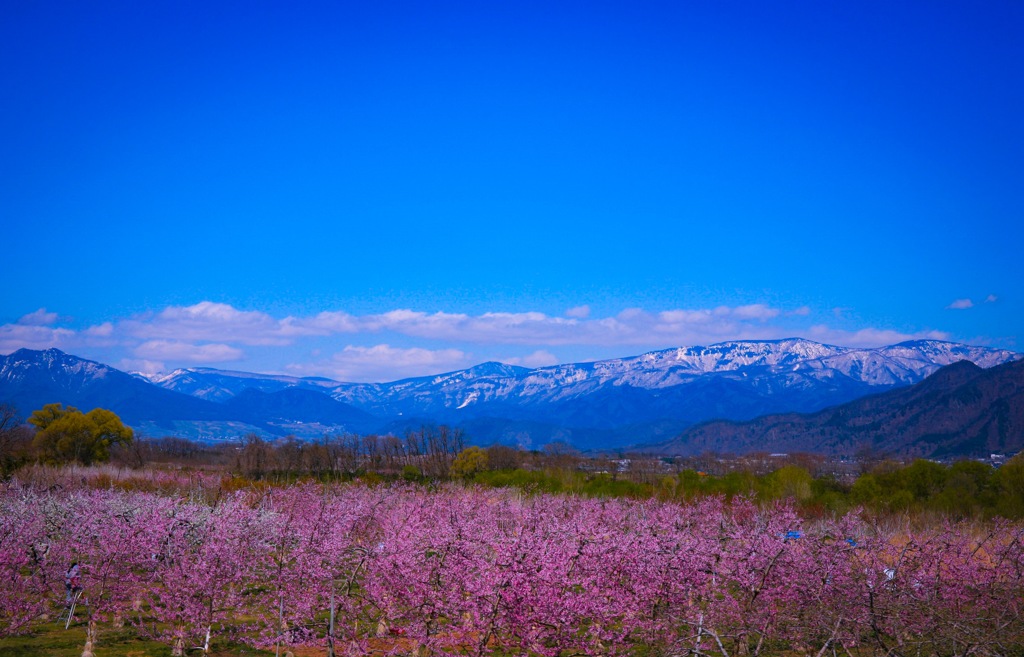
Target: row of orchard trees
{"x": 428, "y": 451}
{"x": 472, "y": 571}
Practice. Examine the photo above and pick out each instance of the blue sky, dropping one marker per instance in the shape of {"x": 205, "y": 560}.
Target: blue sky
{"x": 375, "y": 190}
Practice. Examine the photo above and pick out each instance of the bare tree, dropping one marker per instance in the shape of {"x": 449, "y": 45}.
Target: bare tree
{"x": 561, "y": 455}
{"x": 254, "y": 459}
{"x": 371, "y": 453}
{"x": 15, "y": 440}
{"x": 288, "y": 455}
{"x": 344, "y": 454}
{"x": 316, "y": 458}
{"x": 503, "y": 457}
{"x": 393, "y": 453}
{"x": 433, "y": 449}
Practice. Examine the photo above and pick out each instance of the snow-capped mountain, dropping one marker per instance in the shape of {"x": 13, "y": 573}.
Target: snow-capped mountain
{"x": 770, "y": 366}
{"x": 791, "y": 360}
{"x": 30, "y": 379}
{"x": 790, "y": 363}
{"x": 961, "y": 410}
{"x": 605, "y": 403}
{"x": 624, "y": 399}
{"x": 221, "y": 385}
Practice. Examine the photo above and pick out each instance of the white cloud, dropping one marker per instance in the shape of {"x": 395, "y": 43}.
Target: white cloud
{"x": 141, "y": 366}
{"x": 38, "y": 318}
{"x": 187, "y": 352}
{"x": 496, "y": 327}
{"x": 325, "y": 323}
{"x": 27, "y": 336}
{"x": 991, "y": 298}
{"x": 869, "y": 337}
{"x": 677, "y": 317}
{"x": 631, "y": 313}
{"x": 757, "y": 311}
{"x": 104, "y": 330}
{"x": 214, "y": 322}
{"x": 383, "y": 362}
{"x": 578, "y": 312}
{"x": 209, "y": 332}
{"x": 539, "y": 358}
{"x": 32, "y": 333}
{"x": 632, "y": 326}
{"x": 209, "y": 321}
{"x": 960, "y": 304}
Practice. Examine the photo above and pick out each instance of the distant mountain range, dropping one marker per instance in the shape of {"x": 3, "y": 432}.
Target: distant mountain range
{"x": 29, "y": 379}
{"x": 603, "y": 404}
{"x": 961, "y": 410}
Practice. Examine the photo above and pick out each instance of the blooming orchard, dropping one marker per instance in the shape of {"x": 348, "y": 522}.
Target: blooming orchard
{"x": 471, "y": 571}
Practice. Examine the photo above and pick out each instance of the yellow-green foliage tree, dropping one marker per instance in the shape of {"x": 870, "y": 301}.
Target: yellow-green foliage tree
{"x": 65, "y": 433}
{"x": 469, "y": 462}
{"x": 790, "y": 481}
{"x": 1009, "y": 484}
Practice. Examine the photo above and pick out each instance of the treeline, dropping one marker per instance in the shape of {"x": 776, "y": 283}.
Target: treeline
{"x": 965, "y": 489}
{"x": 428, "y": 452}
{"x": 15, "y": 440}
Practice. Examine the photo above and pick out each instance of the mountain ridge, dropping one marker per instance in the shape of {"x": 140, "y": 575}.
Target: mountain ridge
{"x": 960, "y": 410}
{"x": 29, "y": 379}
{"x": 600, "y": 404}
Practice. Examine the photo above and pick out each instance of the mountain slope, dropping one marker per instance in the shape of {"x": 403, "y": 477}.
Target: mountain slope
{"x": 29, "y": 379}
{"x": 603, "y": 404}
{"x": 627, "y": 400}
{"x": 822, "y": 374}
{"x": 961, "y": 410}
{"x": 293, "y": 407}
{"x": 751, "y": 377}
{"x": 221, "y": 385}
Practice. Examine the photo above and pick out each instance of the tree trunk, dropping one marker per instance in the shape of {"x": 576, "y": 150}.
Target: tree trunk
{"x": 90, "y": 637}
{"x": 742, "y": 644}
{"x": 330, "y": 629}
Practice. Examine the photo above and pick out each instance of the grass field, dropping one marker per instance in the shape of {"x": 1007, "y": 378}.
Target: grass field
{"x": 52, "y": 640}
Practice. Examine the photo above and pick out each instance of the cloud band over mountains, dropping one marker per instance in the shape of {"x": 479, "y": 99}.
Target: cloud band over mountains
{"x": 366, "y": 347}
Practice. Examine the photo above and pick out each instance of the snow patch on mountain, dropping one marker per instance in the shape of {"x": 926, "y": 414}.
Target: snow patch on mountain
{"x": 767, "y": 366}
